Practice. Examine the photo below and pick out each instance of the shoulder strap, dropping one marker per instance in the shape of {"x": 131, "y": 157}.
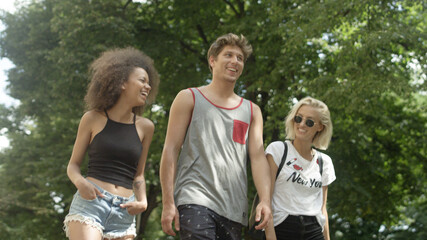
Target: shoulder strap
{"x": 319, "y": 158}
{"x": 285, "y": 153}
{"x": 192, "y": 92}
{"x": 252, "y": 113}
{"x": 106, "y": 114}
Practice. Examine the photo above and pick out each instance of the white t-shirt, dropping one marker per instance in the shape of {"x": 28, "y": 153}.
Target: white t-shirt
{"x": 298, "y": 188}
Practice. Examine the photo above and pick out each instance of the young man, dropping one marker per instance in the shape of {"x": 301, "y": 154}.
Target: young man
{"x": 205, "y": 191}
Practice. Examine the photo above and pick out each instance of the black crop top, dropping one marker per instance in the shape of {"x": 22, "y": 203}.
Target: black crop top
{"x": 114, "y": 153}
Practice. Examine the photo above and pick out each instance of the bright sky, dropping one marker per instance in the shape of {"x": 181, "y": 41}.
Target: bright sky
{"x": 5, "y": 64}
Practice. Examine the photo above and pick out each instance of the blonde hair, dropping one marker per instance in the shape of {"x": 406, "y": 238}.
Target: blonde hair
{"x": 322, "y": 139}
{"x": 230, "y": 39}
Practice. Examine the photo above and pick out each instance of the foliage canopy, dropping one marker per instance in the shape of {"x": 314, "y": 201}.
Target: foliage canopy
{"x": 366, "y": 60}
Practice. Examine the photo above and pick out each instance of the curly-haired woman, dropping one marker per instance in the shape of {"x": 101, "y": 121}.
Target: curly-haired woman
{"x": 117, "y": 140}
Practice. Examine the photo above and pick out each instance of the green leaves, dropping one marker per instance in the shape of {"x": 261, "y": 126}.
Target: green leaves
{"x": 365, "y": 60}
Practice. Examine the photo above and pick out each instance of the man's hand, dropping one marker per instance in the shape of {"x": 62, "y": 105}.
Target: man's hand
{"x": 170, "y": 214}
{"x": 263, "y": 215}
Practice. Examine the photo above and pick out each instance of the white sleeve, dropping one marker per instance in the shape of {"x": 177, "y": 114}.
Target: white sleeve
{"x": 276, "y": 149}
{"x": 328, "y": 175}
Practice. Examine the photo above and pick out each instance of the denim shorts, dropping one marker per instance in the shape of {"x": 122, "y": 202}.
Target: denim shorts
{"x": 104, "y": 214}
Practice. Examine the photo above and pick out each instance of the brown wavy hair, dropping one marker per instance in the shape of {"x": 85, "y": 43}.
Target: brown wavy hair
{"x": 108, "y": 73}
{"x": 230, "y": 39}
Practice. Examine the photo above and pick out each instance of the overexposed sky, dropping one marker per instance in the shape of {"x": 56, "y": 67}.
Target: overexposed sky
{"x": 8, "y": 5}
{"x": 5, "y": 64}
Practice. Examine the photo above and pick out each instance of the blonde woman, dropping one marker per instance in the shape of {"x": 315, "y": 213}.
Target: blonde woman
{"x": 301, "y": 188}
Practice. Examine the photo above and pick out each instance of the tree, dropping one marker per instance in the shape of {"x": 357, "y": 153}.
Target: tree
{"x": 356, "y": 57}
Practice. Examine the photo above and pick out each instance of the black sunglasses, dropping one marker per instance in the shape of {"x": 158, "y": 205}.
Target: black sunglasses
{"x": 308, "y": 122}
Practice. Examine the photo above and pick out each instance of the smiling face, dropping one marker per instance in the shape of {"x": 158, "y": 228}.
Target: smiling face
{"x": 302, "y": 131}
{"x": 228, "y": 64}
{"x": 137, "y": 87}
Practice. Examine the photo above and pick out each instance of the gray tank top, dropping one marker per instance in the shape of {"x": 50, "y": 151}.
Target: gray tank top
{"x": 212, "y": 165}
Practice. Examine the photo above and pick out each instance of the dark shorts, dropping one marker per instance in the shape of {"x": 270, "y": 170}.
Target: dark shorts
{"x": 299, "y": 228}
{"x": 198, "y": 222}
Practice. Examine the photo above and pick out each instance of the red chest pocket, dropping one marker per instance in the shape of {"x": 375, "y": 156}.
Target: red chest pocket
{"x": 239, "y": 131}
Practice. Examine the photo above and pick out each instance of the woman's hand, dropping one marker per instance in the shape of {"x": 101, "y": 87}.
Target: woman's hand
{"x": 88, "y": 191}
{"x": 135, "y": 207}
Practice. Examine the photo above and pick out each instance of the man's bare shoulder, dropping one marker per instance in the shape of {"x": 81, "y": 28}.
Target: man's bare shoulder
{"x": 185, "y": 97}
{"x": 256, "y": 109}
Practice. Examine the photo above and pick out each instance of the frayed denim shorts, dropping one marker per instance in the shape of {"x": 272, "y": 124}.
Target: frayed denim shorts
{"x": 104, "y": 214}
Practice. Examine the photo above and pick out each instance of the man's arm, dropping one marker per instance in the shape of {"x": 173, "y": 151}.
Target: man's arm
{"x": 179, "y": 119}
{"x": 260, "y": 169}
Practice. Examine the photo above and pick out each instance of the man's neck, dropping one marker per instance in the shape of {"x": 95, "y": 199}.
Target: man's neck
{"x": 221, "y": 88}
{"x": 221, "y": 95}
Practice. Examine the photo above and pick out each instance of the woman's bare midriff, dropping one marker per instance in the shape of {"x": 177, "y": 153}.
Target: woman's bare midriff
{"x": 112, "y": 188}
